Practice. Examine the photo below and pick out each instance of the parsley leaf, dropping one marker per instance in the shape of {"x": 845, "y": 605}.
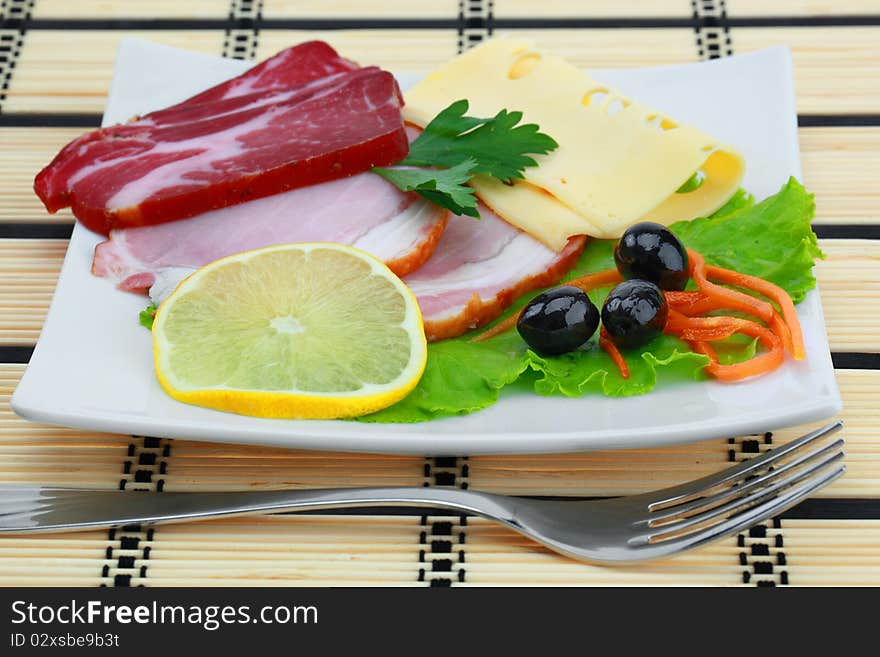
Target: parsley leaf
{"x": 497, "y": 145}
{"x": 453, "y": 148}
{"x": 146, "y": 316}
{"x": 445, "y": 187}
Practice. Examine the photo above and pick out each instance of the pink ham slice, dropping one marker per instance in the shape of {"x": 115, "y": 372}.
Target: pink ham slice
{"x": 364, "y": 210}
{"x": 479, "y": 268}
{"x": 230, "y": 144}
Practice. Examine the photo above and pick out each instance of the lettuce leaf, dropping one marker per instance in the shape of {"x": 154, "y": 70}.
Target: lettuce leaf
{"x": 772, "y": 239}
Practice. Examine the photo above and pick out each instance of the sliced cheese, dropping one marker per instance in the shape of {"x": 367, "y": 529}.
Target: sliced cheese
{"x": 618, "y": 161}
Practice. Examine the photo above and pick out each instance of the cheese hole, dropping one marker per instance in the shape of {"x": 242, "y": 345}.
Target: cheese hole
{"x": 615, "y": 106}
{"x": 666, "y": 124}
{"x": 708, "y": 149}
{"x": 523, "y": 66}
{"x": 596, "y": 96}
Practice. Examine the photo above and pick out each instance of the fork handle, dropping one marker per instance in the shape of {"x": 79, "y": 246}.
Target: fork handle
{"x": 28, "y": 509}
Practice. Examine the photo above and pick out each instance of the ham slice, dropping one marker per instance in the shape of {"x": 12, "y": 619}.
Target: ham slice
{"x": 365, "y": 211}
{"x": 246, "y": 139}
{"x": 479, "y": 268}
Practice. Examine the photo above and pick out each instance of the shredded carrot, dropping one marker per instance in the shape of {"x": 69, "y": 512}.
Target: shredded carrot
{"x": 610, "y": 348}
{"x": 586, "y": 283}
{"x": 772, "y": 292}
{"x": 727, "y": 298}
{"x": 698, "y": 331}
{"x": 602, "y": 278}
{"x": 690, "y": 303}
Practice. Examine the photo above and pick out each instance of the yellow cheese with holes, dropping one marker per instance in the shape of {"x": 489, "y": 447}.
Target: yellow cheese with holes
{"x": 618, "y": 161}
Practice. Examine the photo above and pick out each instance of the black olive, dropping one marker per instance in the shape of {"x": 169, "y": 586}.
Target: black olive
{"x": 634, "y": 313}
{"x": 558, "y": 321}
{"x": 650, "y": 251}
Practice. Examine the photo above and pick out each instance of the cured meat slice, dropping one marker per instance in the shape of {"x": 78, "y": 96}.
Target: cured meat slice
{"x": 479, "y": 268}
{"x": 199, "y": 156}
{"x": 365, "y": 211}
{"x": 294, "y": 66}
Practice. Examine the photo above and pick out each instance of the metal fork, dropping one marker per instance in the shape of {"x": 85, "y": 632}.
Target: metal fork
{"x": 614, "y": 530}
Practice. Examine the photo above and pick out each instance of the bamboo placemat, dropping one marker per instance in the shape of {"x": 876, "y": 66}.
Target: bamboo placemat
{"x": 56, "y": 60}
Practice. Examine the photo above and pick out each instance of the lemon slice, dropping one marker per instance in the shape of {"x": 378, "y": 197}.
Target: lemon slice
{"x": 294, "y": 331}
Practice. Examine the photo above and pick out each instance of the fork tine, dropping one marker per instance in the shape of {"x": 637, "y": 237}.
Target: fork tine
{"x": 701, "y": 486}
{"x": 725, "y": 509}
{"x": 768, "y": 509}
{"x": 738, "y": 489}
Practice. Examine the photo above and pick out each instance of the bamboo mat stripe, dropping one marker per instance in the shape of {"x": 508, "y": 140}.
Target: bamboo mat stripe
{"x": 840, "y": 163}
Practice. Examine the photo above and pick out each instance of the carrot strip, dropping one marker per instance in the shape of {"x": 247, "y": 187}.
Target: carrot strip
{"x": 689, "y": 303}
{"x": 771, "y": 291}
{"x": 610, "y": 348}
{"x": 590, "y": 282}
{"x": 585, "y": 283}
{"x": 698, "y": 331}
{"x": 727, "y": 298}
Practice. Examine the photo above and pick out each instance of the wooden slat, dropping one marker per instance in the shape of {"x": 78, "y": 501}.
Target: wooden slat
{"x": 783, "y": 8}
{"x": 70, "y": 70}
{"x": 850, "y": 284}
{"x": 29, "y": 270}
{"x": 523, "y": 9}
{"x": 398, "y": 50}
{"x": 23, "y": 153}
{"x": 97, "y": 9}
{"x": 841, "y": 167}
{"x": 835, "y": 69}
{"x": 291, "y": 550}
{"x": 346, "y": 9}
{"x": 53, "y": 560}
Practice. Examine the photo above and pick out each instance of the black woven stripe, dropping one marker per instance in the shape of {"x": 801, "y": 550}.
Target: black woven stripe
{"x": 847, "y": 231}
{"x": 46, "y": 120}
{"x": 368, "y": 23}
{"x": 842, "y": 360}
{"x": 27, "y": 230}
{"x": 35, "y": 231}
{"x": 838, "y": 120}
{"x": 855, "y": 361}
{"x": 73, "y": 120}
{"x": 15, "y": 354}
{"x": 835, "y": 509}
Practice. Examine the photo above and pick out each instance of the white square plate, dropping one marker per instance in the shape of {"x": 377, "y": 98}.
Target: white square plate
{"x": 92, "y": 367}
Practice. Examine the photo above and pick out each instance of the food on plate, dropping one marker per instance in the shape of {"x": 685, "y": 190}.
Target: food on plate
{"x": 558, "y": 321}
{"x": 618, "y": 161}
{"x": 478, "y": 269}
{"x": 245, "y": 144}
{"x": 634, "y": 313}
{"x": 238, "y": 210}
{"x": 363, "y": 210}
{"x": 771, "y": 240}
{"x": 651, "y": 251}
{"x": 294, "y": 331}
